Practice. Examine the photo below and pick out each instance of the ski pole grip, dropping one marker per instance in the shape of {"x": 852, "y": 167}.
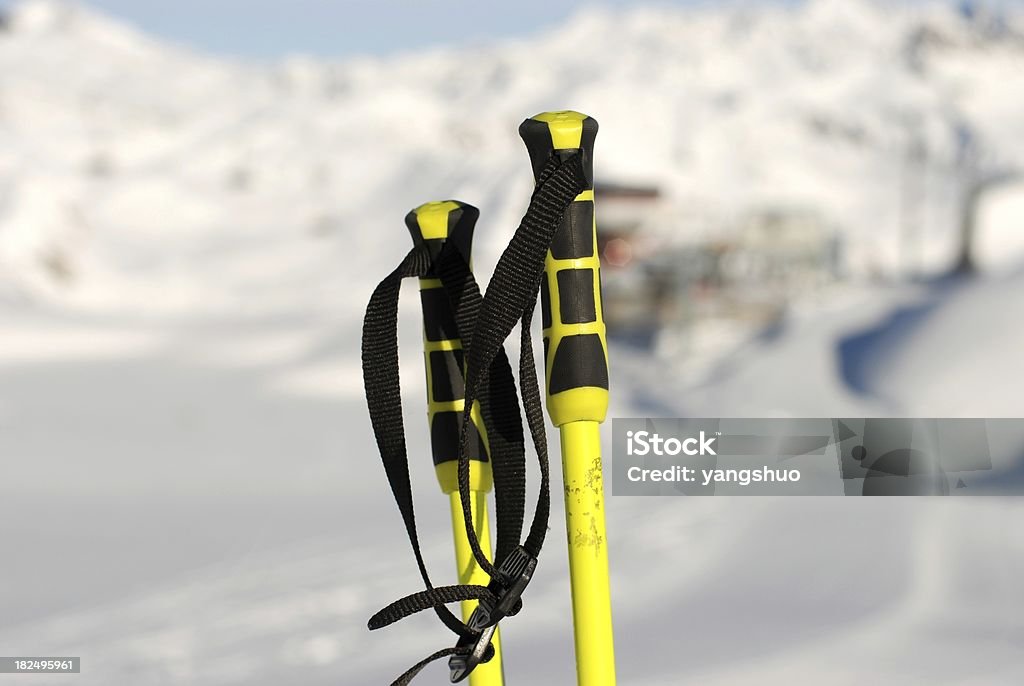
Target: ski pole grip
{"x": 434, "y": 224}
{"x": 575, "y": 342}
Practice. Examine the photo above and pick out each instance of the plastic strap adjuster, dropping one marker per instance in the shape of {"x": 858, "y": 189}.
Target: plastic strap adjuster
{"x": 471, "y": 651}
{"x": 507, "y": 585}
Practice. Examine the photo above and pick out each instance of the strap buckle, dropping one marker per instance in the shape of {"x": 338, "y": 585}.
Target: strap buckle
{"x": 513, "y": 575}
{"x": 470, "y": 652}
{"x": 508, "y": 585}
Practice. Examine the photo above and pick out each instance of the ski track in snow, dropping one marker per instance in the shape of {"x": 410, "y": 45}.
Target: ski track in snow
{"x": 191, "y": 493}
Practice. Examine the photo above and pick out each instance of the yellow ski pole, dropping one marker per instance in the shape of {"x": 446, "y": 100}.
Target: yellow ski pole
{"x": 576, "y": 371}
{"x": 434, "y": 223}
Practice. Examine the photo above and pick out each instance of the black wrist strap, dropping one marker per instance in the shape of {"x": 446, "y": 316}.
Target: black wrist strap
{"x": 484, "y": 323}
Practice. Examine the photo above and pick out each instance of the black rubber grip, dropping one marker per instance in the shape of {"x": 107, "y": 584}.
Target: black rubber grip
{"x": 579, "y": 361}
{"x": 576, "y": 302}
{"x": 438, "y": 320}
{"x": 444, "y": 438}
{"x": 446, "y": 373}
{"x": 435, "y": 224}
{"x": 545, "y": 302}
{"x": 575, "y": 237}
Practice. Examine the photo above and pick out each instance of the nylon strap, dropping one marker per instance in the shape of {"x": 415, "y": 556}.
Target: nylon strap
{"x": 511, "y": 299}
{"x": 499, "y": 407}
{"x": 382, "y": 384}
{"x": 483, "y": 323}
{"x": 383, "y": 394}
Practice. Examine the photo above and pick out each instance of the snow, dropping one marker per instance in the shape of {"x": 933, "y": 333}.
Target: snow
{"x": 191, "y": 493}
{"x": 137, "y": 137}
{"x": 1000, "y": 245}
{"x": 950, "y": 354}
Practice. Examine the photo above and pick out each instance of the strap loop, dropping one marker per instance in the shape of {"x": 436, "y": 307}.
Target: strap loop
{"x": 418, "y": 667}
{"x": 424, "y": 600}
{"x": 510, "y": 299}
{"x": 484, "y": 322}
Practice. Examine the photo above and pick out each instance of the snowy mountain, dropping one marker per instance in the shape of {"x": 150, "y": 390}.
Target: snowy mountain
{"x": 187, "y": 243}
{"x": 136, "y": 174}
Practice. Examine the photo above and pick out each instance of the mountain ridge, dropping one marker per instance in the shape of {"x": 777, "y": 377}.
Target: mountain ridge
{"x": 131, "y": 151}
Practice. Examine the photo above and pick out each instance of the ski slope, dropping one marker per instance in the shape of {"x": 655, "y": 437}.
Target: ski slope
{"x": 190, "y": 489}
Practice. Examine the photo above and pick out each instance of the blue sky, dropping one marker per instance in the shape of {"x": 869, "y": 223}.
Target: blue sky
{"x": 272, "y": 28}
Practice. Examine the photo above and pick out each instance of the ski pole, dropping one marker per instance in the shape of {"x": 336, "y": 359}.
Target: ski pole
{"x": 576, "y": 372}
{"x": 434, "y": 223}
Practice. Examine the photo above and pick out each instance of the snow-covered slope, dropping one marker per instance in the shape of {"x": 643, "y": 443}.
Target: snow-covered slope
{"x": 138, "y": 174}
{"x": 953, "y": 352}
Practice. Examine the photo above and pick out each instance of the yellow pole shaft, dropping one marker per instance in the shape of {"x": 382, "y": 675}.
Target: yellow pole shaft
{"x": 490, "y": 673}
{"x": 588, "y": 553}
